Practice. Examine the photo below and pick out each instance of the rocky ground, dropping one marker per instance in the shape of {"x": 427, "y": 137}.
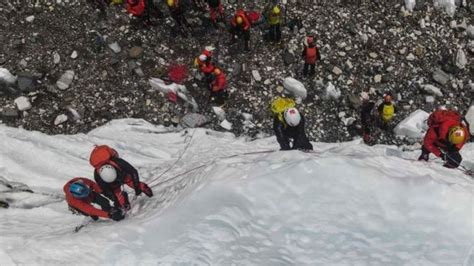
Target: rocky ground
{"x": 76, "y": 71}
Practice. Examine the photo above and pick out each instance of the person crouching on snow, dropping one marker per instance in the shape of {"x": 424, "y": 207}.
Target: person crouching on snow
{"x": 81, "y": 193}
{"x": 112, "y": 172}
{"x": 291, "y": 127}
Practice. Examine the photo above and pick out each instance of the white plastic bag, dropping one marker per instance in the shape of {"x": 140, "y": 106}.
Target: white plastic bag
{"x": 410, "y": 4}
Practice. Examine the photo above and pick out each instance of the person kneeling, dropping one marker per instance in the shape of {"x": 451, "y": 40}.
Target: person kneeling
{"x": 81, "y": 193}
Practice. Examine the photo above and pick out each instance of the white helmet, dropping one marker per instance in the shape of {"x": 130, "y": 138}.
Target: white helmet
{"x": 108, "y": 173}
{"x": 292, "y": 117}
{"x": 202, "y": 58}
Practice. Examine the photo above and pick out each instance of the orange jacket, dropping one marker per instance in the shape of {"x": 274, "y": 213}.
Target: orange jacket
{"x": 84, "y": 205}
{"x": 219, "y": 83}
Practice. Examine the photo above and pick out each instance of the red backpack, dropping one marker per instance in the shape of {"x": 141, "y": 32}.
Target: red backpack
{"x": 136, "y": 7}
{"x": 438, "y": 117}
{"x": 101, "y": 155}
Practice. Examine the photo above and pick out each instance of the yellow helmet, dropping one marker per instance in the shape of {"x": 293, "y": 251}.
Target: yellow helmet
{"x": 387, "y": 112}
{"x": 456, "y": 135}
{"x": 276, "y": 10}
{"x": 170, "y": 2}
{"x": 239, "y": 20}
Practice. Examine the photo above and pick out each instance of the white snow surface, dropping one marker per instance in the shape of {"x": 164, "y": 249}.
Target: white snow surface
{"x": 345, "y": 204}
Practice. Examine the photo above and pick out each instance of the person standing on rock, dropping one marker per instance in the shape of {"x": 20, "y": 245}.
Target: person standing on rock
{"x": 205, "y": 65}
{"x": 143, "y": 10}
{"x": 81, "y": 193}
{"x": 445, "y": 137}
{"x": 217, "y": 86}
{"x": 310, "y": 55}
{"x": 274, "y": 18}
{"x": 177, "y": 12}
{"x": 240, "y": 27}
{"x": 289, "y": 125}
{"x": 376, "y": 115}
{"x": 112, "y": 172}
{"x": 216, "y": 10}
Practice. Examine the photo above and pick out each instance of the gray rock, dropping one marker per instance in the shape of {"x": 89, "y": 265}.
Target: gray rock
{"x": 139, "y": 72}
{"x": 288, "y": 58}
{"x": 432, "y": 90}
{"x": 135, "y": 52}
{"x": 470, "y": 31}
{"x": 461, "y": 59}
{"x": 337, "y": 71}
{"x": 65, "y": 80}
{"x": 194, "y": 120}
{"x": 256, "y": 75}
{"x": 441, "y": 77}
{"x": 26, "y": 82}
{"x": 429, "y": 99}
{"x": 10, "y": 113}
{"x": 22, "y": 103}
{"x": 60, "y": 119}
{"x": 354, "y": 101}
{"x": 56, "y": 58}
{"x": 115, "y": 47}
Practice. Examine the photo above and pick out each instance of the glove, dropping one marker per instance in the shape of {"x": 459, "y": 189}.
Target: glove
{"x": 138, "y": 191}
{"x": 423, "y": 157}
{"x": 147, "y": 190}
{"x": 116, "y": 214}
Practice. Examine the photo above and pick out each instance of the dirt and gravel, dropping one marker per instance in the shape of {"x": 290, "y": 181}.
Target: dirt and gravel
{"x": 366, "y": 48}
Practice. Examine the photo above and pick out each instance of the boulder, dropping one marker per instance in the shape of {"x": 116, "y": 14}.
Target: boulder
{"x": 414, "y": 126}
{"x": 22, "y": 103}
{"x": 295, "y": 87}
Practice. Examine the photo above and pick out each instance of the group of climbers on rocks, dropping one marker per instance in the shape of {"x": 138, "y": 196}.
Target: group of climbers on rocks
{"x": 111, "y": 173}
{"x": 447, "y": 132}
{"x": 214, "y": 77}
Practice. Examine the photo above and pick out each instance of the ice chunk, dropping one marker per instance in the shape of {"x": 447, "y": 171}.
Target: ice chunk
{"x": 414, "y": 126}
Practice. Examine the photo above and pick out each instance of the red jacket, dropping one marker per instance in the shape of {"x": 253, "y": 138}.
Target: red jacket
{"x": 206, "y": 67}
{"x": 84, "y": 205}
{"x": 137, "y": 8}
{"x": 219, "y": 83}
{"x": 436, "y": 137}
{"x": 245, "y": 21}
{"x": 311, "y": 54}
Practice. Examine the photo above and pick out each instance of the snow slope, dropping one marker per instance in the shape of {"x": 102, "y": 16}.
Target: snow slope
{"x": 346, "y": 204}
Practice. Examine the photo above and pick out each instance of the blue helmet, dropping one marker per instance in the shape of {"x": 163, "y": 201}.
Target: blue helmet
{"x": 79, "y": 190}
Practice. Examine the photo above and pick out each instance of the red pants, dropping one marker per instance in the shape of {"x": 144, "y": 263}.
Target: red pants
{"x": 216, "y": 11}
{"x": 122, "y": 196}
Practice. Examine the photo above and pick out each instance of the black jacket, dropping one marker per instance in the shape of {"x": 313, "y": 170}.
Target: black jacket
{"x": 125, "y": 172}
{"x": 284, "y": 134}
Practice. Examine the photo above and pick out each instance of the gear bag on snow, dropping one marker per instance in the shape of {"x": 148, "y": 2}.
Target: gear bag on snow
{"x": 102, "y": 155}
{"x": 279, "y": 105}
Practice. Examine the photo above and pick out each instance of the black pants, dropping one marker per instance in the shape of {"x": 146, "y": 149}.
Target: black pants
{"x": 309, "y": 67}
{"x": 242, "y": 34}
{"x": 219, "y": 97}
{"x": 102, "y": 201}
{"x": 275, "y": 33}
